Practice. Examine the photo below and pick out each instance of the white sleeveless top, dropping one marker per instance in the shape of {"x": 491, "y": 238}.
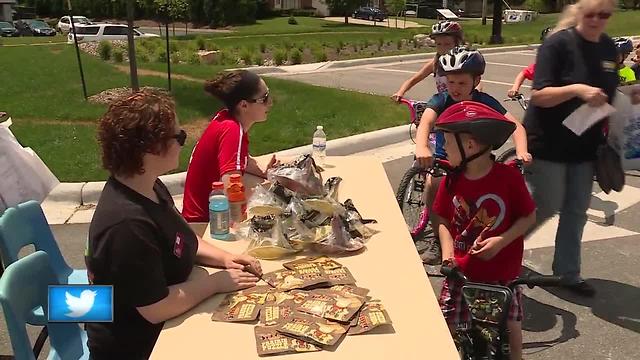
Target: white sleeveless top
{"x": 441, "y": 82}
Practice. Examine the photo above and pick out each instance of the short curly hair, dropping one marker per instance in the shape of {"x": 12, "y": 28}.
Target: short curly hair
{"x": 133, "y": 126}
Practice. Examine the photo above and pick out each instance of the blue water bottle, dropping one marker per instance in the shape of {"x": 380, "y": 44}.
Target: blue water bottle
{"x": 218, "y": 212}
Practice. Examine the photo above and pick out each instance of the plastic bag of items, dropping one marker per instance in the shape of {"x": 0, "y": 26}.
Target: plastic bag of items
{"x": 338, "y": 240}
{"x": 267, "y": 240}
{"x": 264, "y": 202}
{"x": 301, "y": 176}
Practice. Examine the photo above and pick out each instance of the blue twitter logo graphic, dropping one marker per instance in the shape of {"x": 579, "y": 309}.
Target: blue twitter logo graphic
{"x": 80, "y": 303}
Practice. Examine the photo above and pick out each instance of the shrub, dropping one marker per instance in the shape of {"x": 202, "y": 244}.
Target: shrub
{"x": 287, "y": 44}
{"x": 211, "y": 45}
{"x": 292, "y": 20}
{"x": 258, "y": 59}
{"x": 118, "y": 55}
{"x": 104, "y": 49}
{"x": 173, "y": 47}
{"x": 340, "y": 44}
{"x": 399, "y": 44}
{"x": 176, "y": 57}
{"x": 149, "y": 44}
{"x": 295, "y": 57}
{"x": 380, "y": 42}
{"x": 279, "y": 57}
{"x": 247, "y": 56}
{"x": 142, "y": 55}
{"x": 367, "y": 43}
{"x": 161, "y": 56}
{"x": 320, "y": 55}
{"x": 201, "y": 43}
{"x": 193, "y": 58}
{"x": 263, "y": 48}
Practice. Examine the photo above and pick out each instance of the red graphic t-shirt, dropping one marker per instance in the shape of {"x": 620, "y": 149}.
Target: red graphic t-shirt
{"x": 223, "y": 148}
{"x": 529, "y": 71}
{"x": 496, "y": 201}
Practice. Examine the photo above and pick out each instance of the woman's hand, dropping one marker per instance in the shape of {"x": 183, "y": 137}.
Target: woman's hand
{"x": 273, "y": 162}
{"x": 424, "y": 156}
{"x": 243, "y": 262}
{"x": 233, "y": 280}
{"x": 592, "y": 95}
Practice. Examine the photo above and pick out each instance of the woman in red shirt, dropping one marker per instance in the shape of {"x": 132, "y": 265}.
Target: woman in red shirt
{"x": 223, "y": 149}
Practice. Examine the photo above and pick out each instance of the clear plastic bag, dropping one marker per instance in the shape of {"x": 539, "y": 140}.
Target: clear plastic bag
{"x": 331, "y": 187}
{"x": 267, "y": 240}
{"x": 264, "y": 202}
{"x": 338, "y": 241}
{"x": 301, "y": 176}
{"x": 355, "y": 224}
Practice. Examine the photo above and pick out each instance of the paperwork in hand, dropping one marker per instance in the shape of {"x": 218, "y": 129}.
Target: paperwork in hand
{"x": 584, "y": 117}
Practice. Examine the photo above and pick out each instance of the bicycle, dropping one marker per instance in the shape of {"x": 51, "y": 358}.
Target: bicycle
{"x": 487, "y": 338}
{"x": 411, "y": 188}
{"x": 510, "y": 153}
{"x": 409, "y": 194}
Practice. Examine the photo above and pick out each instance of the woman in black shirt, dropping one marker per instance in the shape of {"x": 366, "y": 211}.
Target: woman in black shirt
{"x": 138, "y": 242}
{"x": 575, "y": 65}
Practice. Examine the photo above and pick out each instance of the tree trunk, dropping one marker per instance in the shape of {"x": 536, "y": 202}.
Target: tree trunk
{"x": 346, "y": 19}
{"x": 133, "y": 68}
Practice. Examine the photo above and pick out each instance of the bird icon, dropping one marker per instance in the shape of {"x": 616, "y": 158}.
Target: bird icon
{"x": 80, "y": 306}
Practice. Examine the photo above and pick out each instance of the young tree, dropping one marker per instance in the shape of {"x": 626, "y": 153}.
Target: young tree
{"x": 396, "y": 6}
{"x": 345, "y": 7}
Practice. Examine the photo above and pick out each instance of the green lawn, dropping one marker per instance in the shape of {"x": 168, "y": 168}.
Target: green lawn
{"x": 41, "y": 89}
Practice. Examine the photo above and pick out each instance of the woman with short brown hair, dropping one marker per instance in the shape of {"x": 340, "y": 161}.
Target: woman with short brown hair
{"x": 138, "y": 242}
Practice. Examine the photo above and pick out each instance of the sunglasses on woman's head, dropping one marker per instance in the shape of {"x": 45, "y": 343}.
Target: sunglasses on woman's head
{"x": 180, "y": 137}
{"x": 261, "y": 100}
{"x": 601, "y": 15}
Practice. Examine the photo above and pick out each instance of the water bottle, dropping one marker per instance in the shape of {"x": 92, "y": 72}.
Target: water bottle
{"x": 237, "y": 201}
{"x": 218, "y": 212}
{"x": 319, "y": 146}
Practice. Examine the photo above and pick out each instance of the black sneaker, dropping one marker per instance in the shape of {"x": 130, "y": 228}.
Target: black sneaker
{"x": 581, "y": 288}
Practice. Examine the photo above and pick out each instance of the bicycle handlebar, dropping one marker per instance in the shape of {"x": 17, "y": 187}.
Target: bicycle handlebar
{"x": 454, "y": 272}
{"x": 412, "y": 110}
{"x": 516, "y": 97}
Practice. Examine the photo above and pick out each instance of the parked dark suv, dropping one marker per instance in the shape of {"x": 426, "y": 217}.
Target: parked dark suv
{"x": 33, "y": 27}
{"x": 369, "y": 13}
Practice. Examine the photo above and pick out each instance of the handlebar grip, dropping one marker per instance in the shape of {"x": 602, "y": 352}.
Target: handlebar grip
{"x": 542, "y": 280}
{"x": 452, "y": 273}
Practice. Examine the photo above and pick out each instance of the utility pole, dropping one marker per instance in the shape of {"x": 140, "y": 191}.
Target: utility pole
{"x": 133, "y": 68}
{"x": 496, "y": 31}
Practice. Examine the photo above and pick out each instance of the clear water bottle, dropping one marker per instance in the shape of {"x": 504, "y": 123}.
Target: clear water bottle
{"x": 319, "y": 146}
{"x": 218, "y": 212}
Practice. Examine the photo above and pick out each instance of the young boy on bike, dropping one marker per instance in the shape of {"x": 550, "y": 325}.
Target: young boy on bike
{"x": 624, "y": 47}
{"x": 463, "y": 68}
{"x": 483, "y": 209}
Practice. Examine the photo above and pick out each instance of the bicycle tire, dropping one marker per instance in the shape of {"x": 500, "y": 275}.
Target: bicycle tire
{"x": 411, "y": 215}
{"x": 509, "y": 154}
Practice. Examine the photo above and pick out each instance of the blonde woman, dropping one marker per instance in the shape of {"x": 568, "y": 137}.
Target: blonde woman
{"x": 574, "y": 66}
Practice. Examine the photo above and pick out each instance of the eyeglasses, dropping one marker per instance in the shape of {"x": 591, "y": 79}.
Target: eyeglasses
{"x": 180, "y": 137}
{"x": 601, "y": 15}
{"x": 261, "y": 100}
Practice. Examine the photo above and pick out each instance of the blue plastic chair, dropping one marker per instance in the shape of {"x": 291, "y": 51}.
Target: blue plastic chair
{"x": 26, "y": 224}
{"x": 68, "y": 340}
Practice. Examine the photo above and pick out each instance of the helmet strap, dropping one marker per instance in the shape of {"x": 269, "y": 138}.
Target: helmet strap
{"x": 467, "y": 159}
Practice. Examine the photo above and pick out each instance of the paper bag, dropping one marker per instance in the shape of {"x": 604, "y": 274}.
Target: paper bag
{"x": 23, "y": 175}
{"x": 624, "y": 131}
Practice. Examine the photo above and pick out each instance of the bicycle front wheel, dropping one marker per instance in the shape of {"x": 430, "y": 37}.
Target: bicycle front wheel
{"x": 410, "y": 200}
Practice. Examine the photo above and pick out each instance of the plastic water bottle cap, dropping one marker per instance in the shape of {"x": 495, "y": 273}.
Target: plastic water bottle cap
{"x": 319, "y": 127}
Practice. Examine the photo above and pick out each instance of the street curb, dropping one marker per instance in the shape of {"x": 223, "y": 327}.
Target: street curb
{"x": 89, "y": 192}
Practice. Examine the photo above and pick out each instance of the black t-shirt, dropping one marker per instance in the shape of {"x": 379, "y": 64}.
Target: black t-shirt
{"x": 636, "y": 70}
{"x": 567, "y": 58}
{"x": 140, "y": 247}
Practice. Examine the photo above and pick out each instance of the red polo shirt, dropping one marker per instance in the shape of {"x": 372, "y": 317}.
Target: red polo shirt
{"x": 529, "y": 71}
{"x": 223, "y": 148}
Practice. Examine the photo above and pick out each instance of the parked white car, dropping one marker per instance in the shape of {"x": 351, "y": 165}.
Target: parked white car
{"x": 99, "y": 32}
{"x": 64, "y": 25}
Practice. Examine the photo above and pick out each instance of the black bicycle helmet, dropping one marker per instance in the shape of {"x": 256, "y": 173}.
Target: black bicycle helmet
{"x": 464, "y": 60}
{"x": 485, "y": 124}
{"x": 623, "y": 45}
{"x": 446, "y": 28}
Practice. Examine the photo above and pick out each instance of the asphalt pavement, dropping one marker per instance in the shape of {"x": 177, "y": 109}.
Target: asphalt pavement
{"x": 557, "y": 325}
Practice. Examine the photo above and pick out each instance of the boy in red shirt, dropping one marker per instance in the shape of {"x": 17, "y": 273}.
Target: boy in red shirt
{"x": 483, "y": 211}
